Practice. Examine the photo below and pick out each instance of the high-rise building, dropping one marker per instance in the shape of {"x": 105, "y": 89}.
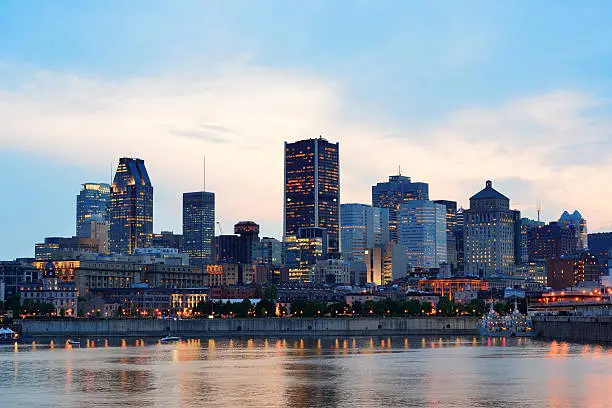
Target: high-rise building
{"x": 249, "y": 238}
{"x": 269, "y": 251}
{"x": 92, "y": 205}
{"x": 361, "y": 227}
{"x": 491, "y": 234}
{"x": 312, "y": 188}
{"x": 131, "y": 214}
{"x": 198, "y": 226}
{"x": 551, "y": 241}
{"x": 571, "y": 270}
{"x": 422, "y": 232}
{"x": 227, "y": 249}
{"x": 399, "y": 189}
{"x": 526, "y": 226}
{"x": 303, "y": 252}
{"x": 451, "y": 231}
{"x": 579, "y": 224}
{"x": 600, "y": 245}
{"x": 459, "y": 240}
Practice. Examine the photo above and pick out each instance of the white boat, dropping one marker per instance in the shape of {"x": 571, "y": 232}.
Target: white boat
{"x": 73, "y": 342}
{"x": 170, "y": 339}
{"x": 514, "y": 325}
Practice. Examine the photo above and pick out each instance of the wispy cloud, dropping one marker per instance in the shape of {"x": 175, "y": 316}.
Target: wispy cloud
{"x": 239, "y": 119}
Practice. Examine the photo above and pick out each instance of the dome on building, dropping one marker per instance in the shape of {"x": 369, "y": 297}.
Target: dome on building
{"x": 489, "y": 193}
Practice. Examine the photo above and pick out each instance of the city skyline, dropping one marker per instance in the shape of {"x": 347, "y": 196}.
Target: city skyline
{"x": 470, "y": 110}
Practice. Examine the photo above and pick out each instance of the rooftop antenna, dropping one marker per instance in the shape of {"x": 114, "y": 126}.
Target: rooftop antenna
{"x": 539, "y": 209}
{"x": 204, "y": 172}
{"x": 399, "y": 170}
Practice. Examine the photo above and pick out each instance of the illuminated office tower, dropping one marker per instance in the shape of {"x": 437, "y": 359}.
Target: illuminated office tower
{"x": 92, "y": 205}
{"x": 198, "y": 226}
{"x": 131, "y": 213}
{"x": 422, "y": 232}
{"x": 312, "y": 189}
{"x": 391, "y": 194}
{"x": 491, "y": 234}
{"x": 303, "y": 251}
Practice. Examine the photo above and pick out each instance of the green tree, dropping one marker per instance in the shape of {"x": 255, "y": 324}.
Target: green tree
{"x": 242, "y": 309}
{"x": 412, "y": 307}
{"x": 270, "y": 293}
{"x": 357, "y": 308}
{"x": 265, "y": 308}
{"x": 502, "y": 308}
{"x": 13, "y": 303}
{"x": 426, "y": 307}
{"x": 476, "y": 307}
{"x": 337, "y": 309}
{"x": 319, "y": 309}
{"x": 369, "y": 308}
{"x": 446, "y": 307}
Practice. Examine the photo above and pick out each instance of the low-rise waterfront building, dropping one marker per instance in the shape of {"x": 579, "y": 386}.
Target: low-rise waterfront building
{"x": 51, "y": 289}
{"x": 448, "y": 287}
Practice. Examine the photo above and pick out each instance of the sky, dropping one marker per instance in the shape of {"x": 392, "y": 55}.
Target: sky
{"x": 453, "y": 92}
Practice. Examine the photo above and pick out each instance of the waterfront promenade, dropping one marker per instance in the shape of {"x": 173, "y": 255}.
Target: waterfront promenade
{"x": 254, "y": 327}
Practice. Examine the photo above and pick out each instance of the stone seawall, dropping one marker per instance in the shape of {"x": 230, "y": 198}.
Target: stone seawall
{"x": 259, "y": 327}
{"x": 574, "y": 328}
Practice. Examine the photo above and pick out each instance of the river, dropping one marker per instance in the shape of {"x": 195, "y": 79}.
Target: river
{"x": 307, "y": 372}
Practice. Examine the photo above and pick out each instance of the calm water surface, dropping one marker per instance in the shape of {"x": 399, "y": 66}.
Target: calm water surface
{"x": 307, "y": 372}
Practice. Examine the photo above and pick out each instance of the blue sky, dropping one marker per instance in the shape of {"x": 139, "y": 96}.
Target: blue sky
{"x": 454, "y": 92}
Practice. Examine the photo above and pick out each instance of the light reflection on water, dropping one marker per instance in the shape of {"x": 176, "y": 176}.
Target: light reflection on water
{"x": 307, "y": 372}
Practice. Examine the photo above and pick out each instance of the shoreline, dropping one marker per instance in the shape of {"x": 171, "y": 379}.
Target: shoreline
{"x": 363, "y": 326}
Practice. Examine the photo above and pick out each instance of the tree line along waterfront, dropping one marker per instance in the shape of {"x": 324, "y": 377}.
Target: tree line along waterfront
{"x": 268, "y": 306}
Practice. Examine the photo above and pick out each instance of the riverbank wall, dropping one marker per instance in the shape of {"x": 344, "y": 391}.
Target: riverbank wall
{"x": 574, "y": 328}
{"x": 254, "y": 327}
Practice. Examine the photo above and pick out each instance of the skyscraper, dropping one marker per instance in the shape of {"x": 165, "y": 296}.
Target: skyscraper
{"x": 312, "y": 188}
{"x": 491, "y": 234}
{"x": 399, "y": 189}
{"x": 422, "y": 232}
{"x": 131, "y": 214}
{"x": 361, "y": 227}
{"x": 304, "y": 250}
{"x": 92, "y": 205}
{"x": 198, "y": 226}
{"x": 249, "y": 238}
{"x": 579, "y": 224}
{"x": 451, "y": 230}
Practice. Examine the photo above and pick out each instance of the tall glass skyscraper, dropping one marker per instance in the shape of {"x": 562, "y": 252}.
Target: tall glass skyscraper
{"x": 422, "y": 232}
{"x": 399, "y": 189}
{"x": 92, "y": 205}
{"x": 312, "y": 188}
{"x": 198, "y": 226}
{"x": 131, "y": 212}
{"x": 362, "y": 226}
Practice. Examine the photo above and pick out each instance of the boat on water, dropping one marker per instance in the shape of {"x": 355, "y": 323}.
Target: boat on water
{"x": 170, "y": 339}
{"x": 73, "y": 342}
{"x": 513, "y": 325}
